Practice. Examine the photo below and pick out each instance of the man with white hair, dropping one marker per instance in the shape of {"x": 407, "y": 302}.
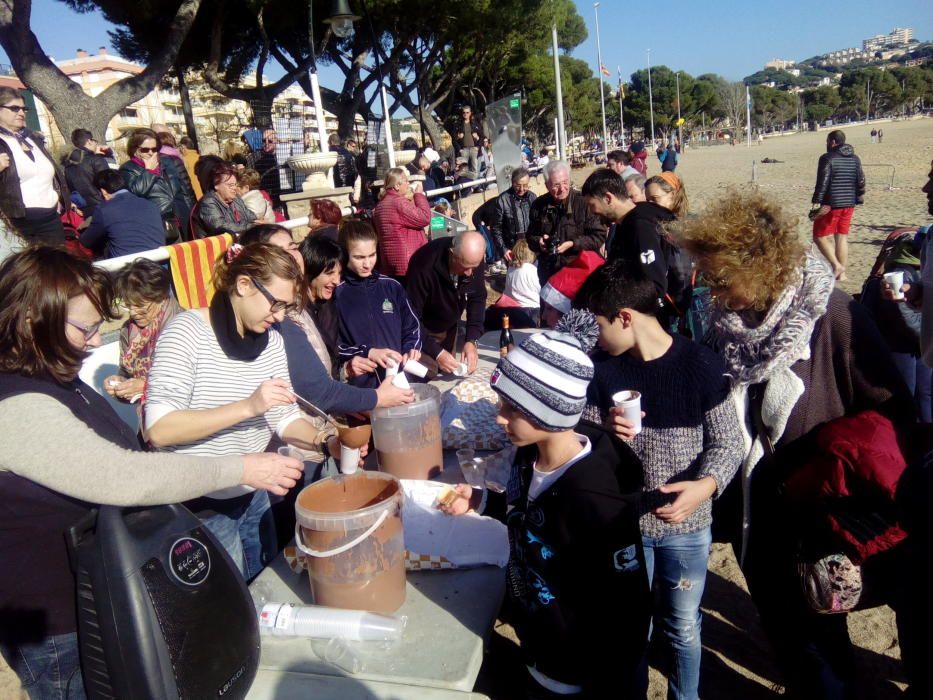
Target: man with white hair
{"x": 561, "y": 226}
{"x": 445, "y": 278}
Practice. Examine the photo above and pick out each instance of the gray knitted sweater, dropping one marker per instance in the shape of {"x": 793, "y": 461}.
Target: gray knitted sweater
{"x": 690, "y": 429}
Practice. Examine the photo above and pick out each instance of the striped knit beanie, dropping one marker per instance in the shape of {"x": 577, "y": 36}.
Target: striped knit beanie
{"x": 546, "y": 376}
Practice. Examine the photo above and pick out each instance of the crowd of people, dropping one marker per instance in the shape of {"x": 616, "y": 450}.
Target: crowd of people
{"x": 758, "y": 383}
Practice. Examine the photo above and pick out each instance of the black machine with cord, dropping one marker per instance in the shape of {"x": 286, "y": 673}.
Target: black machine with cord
{"x": 162, "y": 609}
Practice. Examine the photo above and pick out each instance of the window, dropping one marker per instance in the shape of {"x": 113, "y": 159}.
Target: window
{"x": 130, "y": 114}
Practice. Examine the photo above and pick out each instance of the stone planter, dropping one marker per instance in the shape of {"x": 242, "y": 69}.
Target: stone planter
{"x": 315, "y": 166}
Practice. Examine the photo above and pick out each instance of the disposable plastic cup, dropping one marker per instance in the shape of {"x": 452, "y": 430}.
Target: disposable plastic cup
{"x": 896, "y": 280}
{"x": 630, "y": 403}
{"x": 416, "y": 368}
{"x": 349, "y": 459}
{"x": 465, "y": 457}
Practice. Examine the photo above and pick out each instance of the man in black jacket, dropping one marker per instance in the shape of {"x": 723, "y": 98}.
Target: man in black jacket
{"x": 560, "y": 225}
{"x": 446, "y": 277}
{"x": 81, "y": 165}
{"x": 638, "y": 236}
{"x": 512, "y": 216}
{"x": 840, "y": 185}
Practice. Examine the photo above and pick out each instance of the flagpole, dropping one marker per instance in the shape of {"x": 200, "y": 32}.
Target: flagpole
{"x": 561, "y": 135}
{"x": 650, "y": 99}
{"x": 621, "y": 115}
{"x": 748, "y": 117}
{"x": 602, "y": 99}
{"x": 680, "y": 128}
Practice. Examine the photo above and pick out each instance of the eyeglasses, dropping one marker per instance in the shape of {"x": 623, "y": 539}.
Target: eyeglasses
{"x": 148, "y": 150}
{"x": 275, "y": 305}
{"x": 16, "y": 109}
{"x": 89, "y": 331}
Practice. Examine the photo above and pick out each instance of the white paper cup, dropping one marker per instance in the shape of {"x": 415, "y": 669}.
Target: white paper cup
{"x": 461, "y": 370}
{"x": 629, "y": 401}
{"x": 896, "y": 280}
{"x": 416, "y": 368}
{"x": 401, "y": 381}
{"x": 391, "y": 367}
{"x": 349, "y": 459}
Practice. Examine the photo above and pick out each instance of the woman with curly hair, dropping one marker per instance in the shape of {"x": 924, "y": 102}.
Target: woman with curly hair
{"x": 799, "y": 353}
{"x": 667, "y": 190}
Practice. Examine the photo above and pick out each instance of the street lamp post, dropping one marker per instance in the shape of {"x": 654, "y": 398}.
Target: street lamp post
{"x": 650, "y": 99}
{"x": 599, "y": 72}
{"x": 680, "y": 128}
{"x": 341, "y": 21}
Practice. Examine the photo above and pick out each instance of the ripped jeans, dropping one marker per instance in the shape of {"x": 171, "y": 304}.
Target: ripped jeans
{"x": 677, "y": 572}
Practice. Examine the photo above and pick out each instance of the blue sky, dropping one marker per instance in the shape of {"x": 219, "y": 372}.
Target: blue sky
{"x": 727, "y": 37}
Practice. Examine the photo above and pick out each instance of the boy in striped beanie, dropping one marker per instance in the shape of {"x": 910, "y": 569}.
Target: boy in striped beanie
{"x": 576, "y": 568}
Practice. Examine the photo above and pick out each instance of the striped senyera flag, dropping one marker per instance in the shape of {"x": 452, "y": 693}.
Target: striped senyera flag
{"x": 192, "y": 264}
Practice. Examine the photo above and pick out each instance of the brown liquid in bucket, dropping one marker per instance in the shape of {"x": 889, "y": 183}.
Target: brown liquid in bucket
{"x": 370, "y": 575}
{"x": 424, "y": 462}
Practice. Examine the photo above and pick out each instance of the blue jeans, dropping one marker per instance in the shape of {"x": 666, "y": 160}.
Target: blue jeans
{"x": 50, "y": 669}
{"x": 919, "y": 379}
{"x": 248, "y": 534}
{"x": 677, "y": 572}
{"x": 257, "y": 533}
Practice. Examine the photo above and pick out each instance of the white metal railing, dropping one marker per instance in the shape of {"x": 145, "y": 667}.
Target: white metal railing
{"x": 161, "y": 254}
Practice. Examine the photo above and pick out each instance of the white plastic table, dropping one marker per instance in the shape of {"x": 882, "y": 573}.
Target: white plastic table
{"x": 450, "y": 615}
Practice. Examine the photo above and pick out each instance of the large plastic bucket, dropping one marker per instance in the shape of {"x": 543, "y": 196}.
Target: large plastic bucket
{"x": 408, "y": 438}
{"x": 350, "y": 529}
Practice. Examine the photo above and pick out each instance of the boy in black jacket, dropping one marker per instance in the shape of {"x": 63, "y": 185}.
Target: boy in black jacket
{"x": 576, "y": 575}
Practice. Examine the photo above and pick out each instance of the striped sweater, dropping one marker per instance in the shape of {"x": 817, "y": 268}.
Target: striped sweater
{"x": 690, "y": 429}
{"x": 191, "y": 372}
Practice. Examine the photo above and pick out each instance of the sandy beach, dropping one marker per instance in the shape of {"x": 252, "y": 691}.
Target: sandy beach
{"x": 737, "y": 661}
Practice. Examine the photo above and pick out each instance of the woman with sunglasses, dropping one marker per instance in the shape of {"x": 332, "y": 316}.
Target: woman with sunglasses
{"x": 219, "y": 385}
{"x": 62, "y": 450}
{"x": 157, "y": 178}
{"x": 32, "y": 187}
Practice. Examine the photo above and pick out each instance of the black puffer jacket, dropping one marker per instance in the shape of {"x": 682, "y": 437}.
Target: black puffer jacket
{"x": 81, "y": 165}
{"x": 840, "y": 182}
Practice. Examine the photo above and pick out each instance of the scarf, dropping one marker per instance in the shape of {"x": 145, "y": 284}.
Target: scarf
{"x": 140, "y": 343}
{"x": 753, "y": 354}
{"x": 247, "y": 347}
{"x": 765, "y": 354}
{"x": 157, "y": 170}
{"x": 21, "y": 137}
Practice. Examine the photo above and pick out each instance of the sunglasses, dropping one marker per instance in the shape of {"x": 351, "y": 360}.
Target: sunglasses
{"x": 89, "y": 331}
{"x": 275, "y": 305}
{"x": 148, "y": 150}
{"x": 16, "y": 109}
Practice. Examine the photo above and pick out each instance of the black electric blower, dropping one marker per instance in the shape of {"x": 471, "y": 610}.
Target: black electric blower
{"x": 162, "y": 609}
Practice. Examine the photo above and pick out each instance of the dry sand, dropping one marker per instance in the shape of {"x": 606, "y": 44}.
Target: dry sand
{"x": 737, "y": 661}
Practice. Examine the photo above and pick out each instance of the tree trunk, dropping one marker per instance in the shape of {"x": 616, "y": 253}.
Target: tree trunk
{"x": 186, "y": 108}
{"x": 70, "y": 106}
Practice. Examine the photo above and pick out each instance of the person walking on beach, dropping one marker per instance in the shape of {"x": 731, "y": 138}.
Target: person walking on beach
{"x": 840, "y": 185}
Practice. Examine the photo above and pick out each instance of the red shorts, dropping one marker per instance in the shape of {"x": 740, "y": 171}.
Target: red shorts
{"x": 835, "y": 222}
